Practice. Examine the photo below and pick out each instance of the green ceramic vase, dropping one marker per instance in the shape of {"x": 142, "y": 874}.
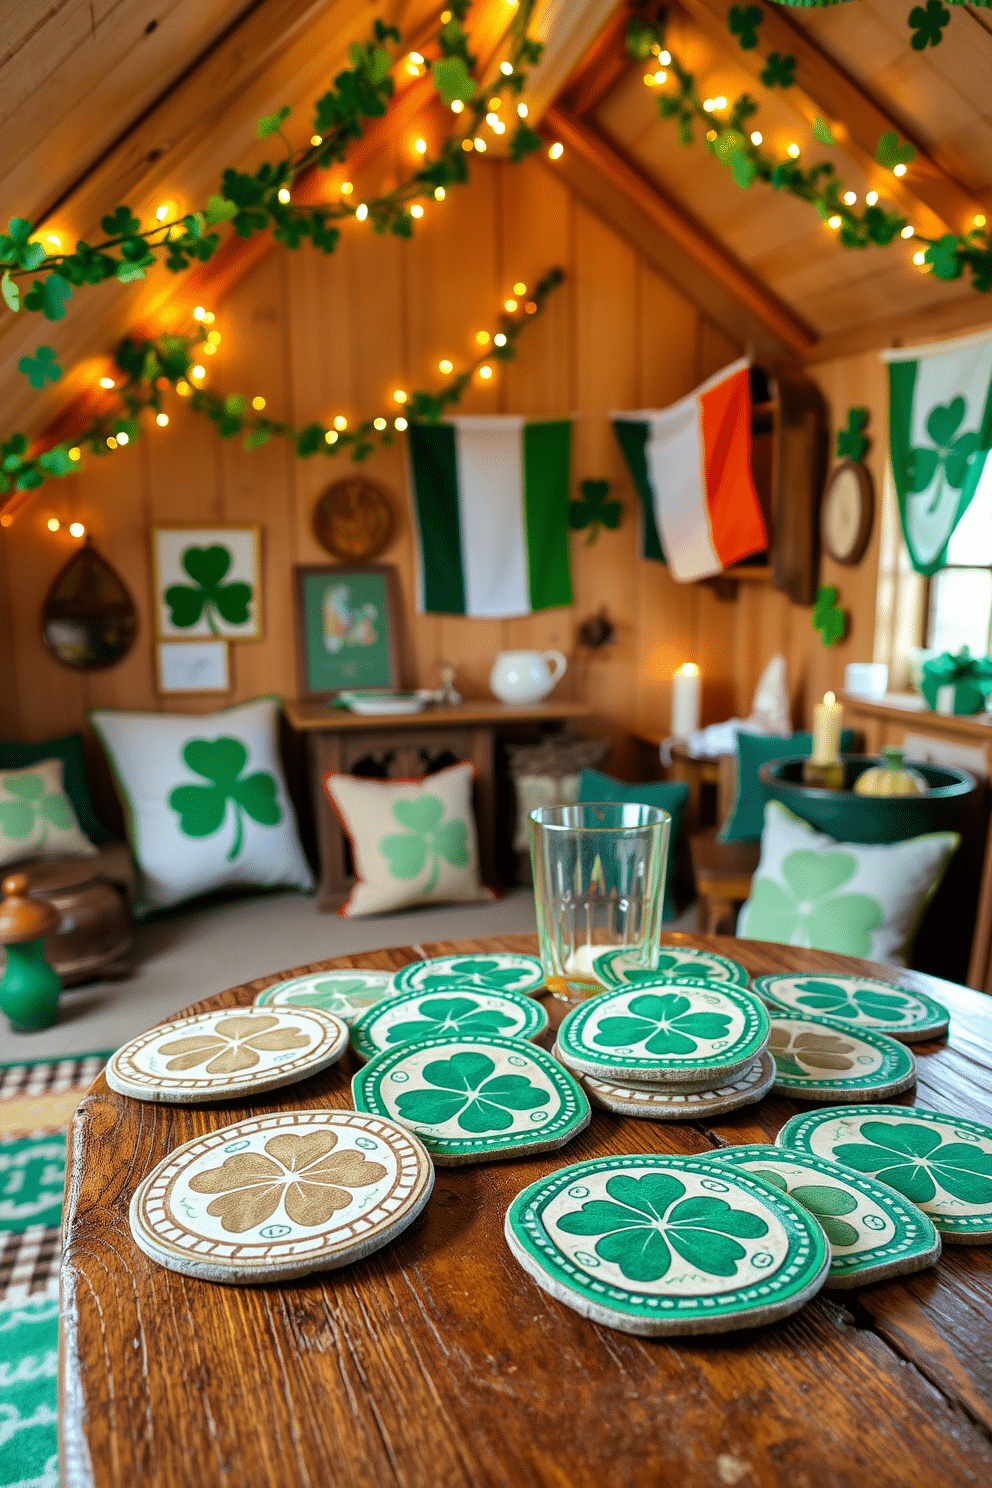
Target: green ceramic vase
{"x": 29, "y": 991}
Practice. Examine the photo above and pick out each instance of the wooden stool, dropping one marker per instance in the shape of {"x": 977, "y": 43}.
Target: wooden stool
{"x": 723, "y": 873}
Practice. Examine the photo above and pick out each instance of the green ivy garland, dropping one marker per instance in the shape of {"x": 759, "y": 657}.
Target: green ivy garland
{"x": 740, "y": 151}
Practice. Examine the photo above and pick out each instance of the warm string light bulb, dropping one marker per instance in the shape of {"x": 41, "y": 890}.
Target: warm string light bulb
{"x": 420, "y": 147}
{"x": 198, "y": 372}
{"x": 485, "y": 373}
{"x": 316, "y": 139}
{"x": 850, "y": 197}
{"x": 793, "y": 151}
{"x": 439, "y": 193}
{"x": 183, "y": 388}
{"x": 199, "y": 313}
{"x": 899, "y": 170}
{"x": 123, "y": 438}
{"x": 907, "y": 231}
{"x": 519, "y": 288}
{"x": 340, "y": 423}
{"x": 871, "y": 198}
{"x": 919, "y": 257}
{"x": 445, "y": 366}
{"x": 482, "y": 338}
{"x": 556, "y": 151}
{"x": 979, "y": 219}
{"x": 506, "y": 68}
{"x": 213, "y": 338}
{"x": 77, "y": 529}
{"x": 331, "y": 437}
{"x": 379, "y": 424}
{"x": 75, "y": 453}
{"x": 53, "y": 524}
{"x": 480, "y": 145}
{"x": 757, "y": 137}
{"x": 162, "y": 419}
{"x": 400, "y": 424}
{"x": 509, "y": 306}
{"x": 361, "y": 211}
{"x": 522, "y": 111}
{"x": 834, "y": 222}
{"x": 499, "y": 339}
{"x": 346, "y": 188}
{"x": 107, "y": 382}
{"x": 456, "y": 105}
{"x": 416, "y": 210}
{"x": 283, "y": 194}
{"x": 258, "y": 403}
{"x": 399, "y": 396}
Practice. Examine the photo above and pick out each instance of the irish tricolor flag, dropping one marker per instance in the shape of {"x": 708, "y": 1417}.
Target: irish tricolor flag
{"x": 691, "y": 464}
{"x": 491, "y": 507}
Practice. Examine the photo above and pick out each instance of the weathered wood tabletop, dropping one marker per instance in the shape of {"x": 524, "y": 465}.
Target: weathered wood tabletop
{"x": 438, "y": 1361}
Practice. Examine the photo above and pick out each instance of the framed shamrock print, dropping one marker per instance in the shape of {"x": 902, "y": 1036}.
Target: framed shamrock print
{"x": 207, "y": 583}
{"x": 347, "y": 625}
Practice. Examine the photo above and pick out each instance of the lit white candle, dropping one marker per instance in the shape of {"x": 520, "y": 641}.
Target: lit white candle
{"x": 686, "y": 688}
{"x": 826, "y": 730}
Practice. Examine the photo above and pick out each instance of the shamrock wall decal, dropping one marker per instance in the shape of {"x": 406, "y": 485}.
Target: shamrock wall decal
{"x": 202, "y": 809}
{"x": 33, "y": 806}
{"x": 948, "y": 458}
{"x": 927, "y": 23}
{"x": 41, "y": 368}
{"x": 743, "y": 22}
{"x": 594, "y": 511}
{"x": 208, "y": 595}
{"x": 779, "y": 70}
{"x": 851, "y": 442}
{"x": 828, "y": 618}
{"x": 425, "y": 841}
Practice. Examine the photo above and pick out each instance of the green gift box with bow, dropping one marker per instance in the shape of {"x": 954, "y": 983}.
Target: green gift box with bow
{"x": 970, "y": 676}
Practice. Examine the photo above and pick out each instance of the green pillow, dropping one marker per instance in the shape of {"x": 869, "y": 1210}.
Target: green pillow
{"x": 68, "y": 749}
{"x": 746, "y": 816}
{"x": 669, "y": 797}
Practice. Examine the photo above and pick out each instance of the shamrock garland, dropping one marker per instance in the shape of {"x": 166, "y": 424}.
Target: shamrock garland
{"x": 928, "y": 23}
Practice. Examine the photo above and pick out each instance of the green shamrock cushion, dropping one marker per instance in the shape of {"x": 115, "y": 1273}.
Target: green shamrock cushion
{"x": 36, "y": 816}
{"x": 853, "y": 898}
{"x": 412, "y": 841}
{"x": 205, "y": 801}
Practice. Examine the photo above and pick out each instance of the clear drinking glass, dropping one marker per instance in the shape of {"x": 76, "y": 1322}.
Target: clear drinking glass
{"x": 599, "y": 881}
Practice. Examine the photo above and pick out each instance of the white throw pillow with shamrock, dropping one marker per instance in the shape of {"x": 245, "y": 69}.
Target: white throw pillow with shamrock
{"x": 205, "y": 801}
{"x": 36, "y": 816}
{"x": 850, "y": 897}
{"x": 412, "y": 841}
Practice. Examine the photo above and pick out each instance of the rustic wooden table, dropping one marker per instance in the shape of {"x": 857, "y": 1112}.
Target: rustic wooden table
{"x": 439, "y": 1362}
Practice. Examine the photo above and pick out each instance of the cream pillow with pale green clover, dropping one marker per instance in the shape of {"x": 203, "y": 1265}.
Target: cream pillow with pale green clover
{"x": 205, "y": 800}
{"x": 36, "y": 816}
{"x": 848, "y": 897}
{"x": 412, "y": 841}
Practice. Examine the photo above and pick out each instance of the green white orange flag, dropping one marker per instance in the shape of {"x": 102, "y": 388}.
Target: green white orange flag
{"x": 940, "y": 432}
{"x": 691, "y": 465}
{"x": 491, "y": 506}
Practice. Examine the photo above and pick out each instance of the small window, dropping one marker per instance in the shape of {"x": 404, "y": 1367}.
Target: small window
{"x": 960, "y": 608}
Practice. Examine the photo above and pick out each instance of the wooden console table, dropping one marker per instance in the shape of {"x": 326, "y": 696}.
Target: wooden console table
{"x": 408, "y": 745}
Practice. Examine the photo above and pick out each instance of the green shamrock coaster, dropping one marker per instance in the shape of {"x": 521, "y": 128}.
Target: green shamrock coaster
{"x": 667, "y": 1245}
{"x": 665, "y": 1103}
{"x": 347, "y": 993}
{"x": 495, "y": 971}
{"x": 823, "y": 1059}
{"x": 226, "y": 1053}
{"x": 617, "y": 967}
{"x": 470, "y": 1099}
{"x": 943, "y": 1164}
{"x": 411, "y": 1017}
{"x": 858, "y": 1001}
{"x": 874, "y": 1233}
{"x": 281, "y": 1196}
{"x": 684, "y": 1032}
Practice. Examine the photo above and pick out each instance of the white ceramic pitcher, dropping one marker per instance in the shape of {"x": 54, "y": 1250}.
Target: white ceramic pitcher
{"x": 526, "y": 676}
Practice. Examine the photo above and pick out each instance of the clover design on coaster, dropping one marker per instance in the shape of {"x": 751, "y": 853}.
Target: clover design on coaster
{"x": 941, "y": 1163}
{"x": 469, "y": 1099}
{"x": 680, "y": 1031}
{"x": 669, "y": 1103}
{"x": 227, "y": 1052}
{"x": 653, "y": 1244}
{"x": 282, "y": 1195}
{"x": 861, "y": 1002}
{"x": 496, "y": 971}
{"x": 874, "y": 1233}
{"x": 410, "y": 1017}
{"x": 823, "y": 1059}
{"x": 618, "y": 966}
{"x": 347, "y": 992}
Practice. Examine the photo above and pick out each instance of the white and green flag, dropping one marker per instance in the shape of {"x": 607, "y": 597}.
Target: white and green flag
{"x": 491, "y": 502}
{"x": 940, "y": 431}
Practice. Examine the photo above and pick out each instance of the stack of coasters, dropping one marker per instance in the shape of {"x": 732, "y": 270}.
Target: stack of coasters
{"x": 826, "y": 1060}
{"x": 280, "y": 1196}
{"x": 616, "y": 967}
{"x": 470, "y": 1099}
{"x": 411, "y": 1017}
{"x": 347, "y": 992}
{"x": 670, "y": 1049}
{"x": 874, "y": 1233}
{"x": 499, "y": 971}
{"x": 943, "y": 1164}
{"x": 860, "y": 1002}
{"x": 226, "y": 1053}
{"x": 660, "y": 1245}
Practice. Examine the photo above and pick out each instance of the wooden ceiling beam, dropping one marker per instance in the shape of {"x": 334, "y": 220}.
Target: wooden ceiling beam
{"x": 602, "y": 67}
{"x": 673, "y": 241}
{"x": 822, "y": 88}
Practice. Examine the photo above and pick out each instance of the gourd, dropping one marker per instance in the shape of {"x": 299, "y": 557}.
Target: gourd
{"x": 892, "y": 778}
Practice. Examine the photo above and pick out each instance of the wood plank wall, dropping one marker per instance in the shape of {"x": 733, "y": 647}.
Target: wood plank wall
{"x": 321, "y": 336}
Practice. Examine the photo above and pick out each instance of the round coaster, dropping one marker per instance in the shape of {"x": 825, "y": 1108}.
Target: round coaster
{"x": 282, "y": 1195}
{"x": 411, "y": 1017}
{"x": 473, "y": 1099}
{"x": 685, "y": 1032}
{"x": 858, "y": 1001}
{"x": 874, "y": 1233}
{"x": 663, "y": 1103}
{"x": 825, "y": 1060}
{"x": 347, "y": 992}
{"x": 496, "y": 971}
{"x": 943, "y": 1164}
{"x": 234, "y": 1051}
{"x": 667, "y": 1245}
{"x": 616, "y": 967}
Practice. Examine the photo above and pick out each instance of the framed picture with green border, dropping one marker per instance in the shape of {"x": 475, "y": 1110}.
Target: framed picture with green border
{"x": 347, "y": 627}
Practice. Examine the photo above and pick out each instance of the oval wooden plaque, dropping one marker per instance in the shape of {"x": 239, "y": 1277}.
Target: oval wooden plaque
{"x": 354, "y": 519}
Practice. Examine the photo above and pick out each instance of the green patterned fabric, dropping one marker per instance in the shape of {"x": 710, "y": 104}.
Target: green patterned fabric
{"x": 68, "y": 749}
